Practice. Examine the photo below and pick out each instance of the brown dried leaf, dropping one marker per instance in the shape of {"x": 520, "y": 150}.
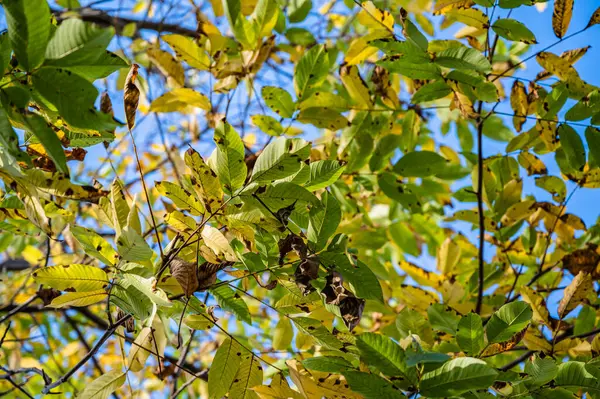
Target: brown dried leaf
{"x": 307, "y": 271}
{"x": 106, "y": 104}
{"x": 186, "y": 275}
{"x": 292, "y": 242}
{"x": 207, "y": 274}
{"x": 131, "y": 96}
{"x": 583, "y": 260}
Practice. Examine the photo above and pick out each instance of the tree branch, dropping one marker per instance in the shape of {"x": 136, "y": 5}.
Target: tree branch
{"x": 102, "y": 18}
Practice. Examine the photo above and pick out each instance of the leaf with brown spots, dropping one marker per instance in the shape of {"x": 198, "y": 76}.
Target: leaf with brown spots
{"x": 561, "y": 17}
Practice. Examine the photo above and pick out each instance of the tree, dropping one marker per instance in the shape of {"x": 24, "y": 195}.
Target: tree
{"x": 263, "y": 265}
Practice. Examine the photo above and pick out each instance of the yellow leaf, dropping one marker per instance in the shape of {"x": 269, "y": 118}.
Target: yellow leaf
{"x": 140, "y": 349}
{"x": 443, "y": 6}
{"x": 537, "y": 303}
{"x": 76, "y": 278}
{"x": 188, "y": 51}
{"x": 316, "y": 385}
{"x": 217, "y": 6}
{"x": 78, "y": 299}
{"x": 532, "y": 164}
{"x": 103, "y": 386}
{"x": 448, "y": 256}
{"x": 420, "y": 275}
{"x": 469, "y": 16}
{"x": 595, "y": 19}
{"x": 561, "y": 17}
{"x": 576, "y": 293}
{"x": 215, "y": 240}
{"x": 519, "y": 103}
{"x": 356, "y": 86}
{"x": 372, "y": 17}
{"x": 180, "y": 100}
{"x": 277, "y": 389}
{"x": 167, "y": 64}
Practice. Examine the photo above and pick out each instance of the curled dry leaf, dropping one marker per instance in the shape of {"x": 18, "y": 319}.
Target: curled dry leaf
{"x": 47, "y": 295}
{"x": 307, "y": 271}
{"x": 131, "y": 96}
{"x": 292, "y": 242}
{"x": 351, "y": 307}
{"x": 207, "y": 274}
{"x": 186, "y": 275}
{"x": 106, "y": 104}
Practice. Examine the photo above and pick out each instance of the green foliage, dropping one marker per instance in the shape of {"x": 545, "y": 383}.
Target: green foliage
{"x": 339, "y": 200}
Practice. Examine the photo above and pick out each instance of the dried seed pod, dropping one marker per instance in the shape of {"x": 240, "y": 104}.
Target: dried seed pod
{"x": 131, "y": 96}
{"x": 292, "y": 242}
{"x": 351, "y": 307}
{"x": 186, "y": 275}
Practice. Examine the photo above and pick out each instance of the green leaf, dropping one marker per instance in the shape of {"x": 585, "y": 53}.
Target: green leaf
{"x": 276, "y": 162}
{"x": 324, "y": 173}
{"x": 456, "y": 377}
{"x": 411, "y": 69}
{"x": 323, "y": 221}
{"x": 578, "y": 375}
{"x": 10, "y": 141}
{"x": 75, "y": 277}
{"x": 359, "y": 276}
{"x": 131, "y": 300}
{"x": 513, "y": 30}
{"x": 554, "y": 185}
{"x": 182, "y": 198}
{"x": 393, "y": 187}
{"x": 144, "y": 286}
{"x": 327, "y": 364}
{"x": 311, "y": 71}
{"x": 29, "y": 30}
{"x": 298, "y": 10}
{"x": 323, "y": 118}
{"x": 73, "y": 96}
{"x": 103, "y": 386}
{"x": 372, "y": 386}
{"x": 541, "y": 371}
{"x": 279, "y": 100}
{"x": 132, "y": 247}
{"x": 231, "y": 301}
{"x": 5, "y": 51}
{"x": 188, "y": 51}
{"x": 442, "y": 319}
{"x": 228, "y": 158}
{"x": 507, "y": 321}
{"x": 48, "y": 138}
{"x": 431, "y": 91}
{"x": 469, "y": 334}
{"x": 316, "y": 330}
{"x": 250, "y": 374}
{"x": 94, "y": 245}
{"x": 385, "y": 355}
{"x": 572, "y": 145}
{"x": 592, "y": 136}
{"x": 267, "y": 124}
{"x": 463, "y": 58}
{"x": 420, "y": 164}
{"x": 224, "y": 367}
{"x": 80, "y": 47}
{"x": 494, "y": 128}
